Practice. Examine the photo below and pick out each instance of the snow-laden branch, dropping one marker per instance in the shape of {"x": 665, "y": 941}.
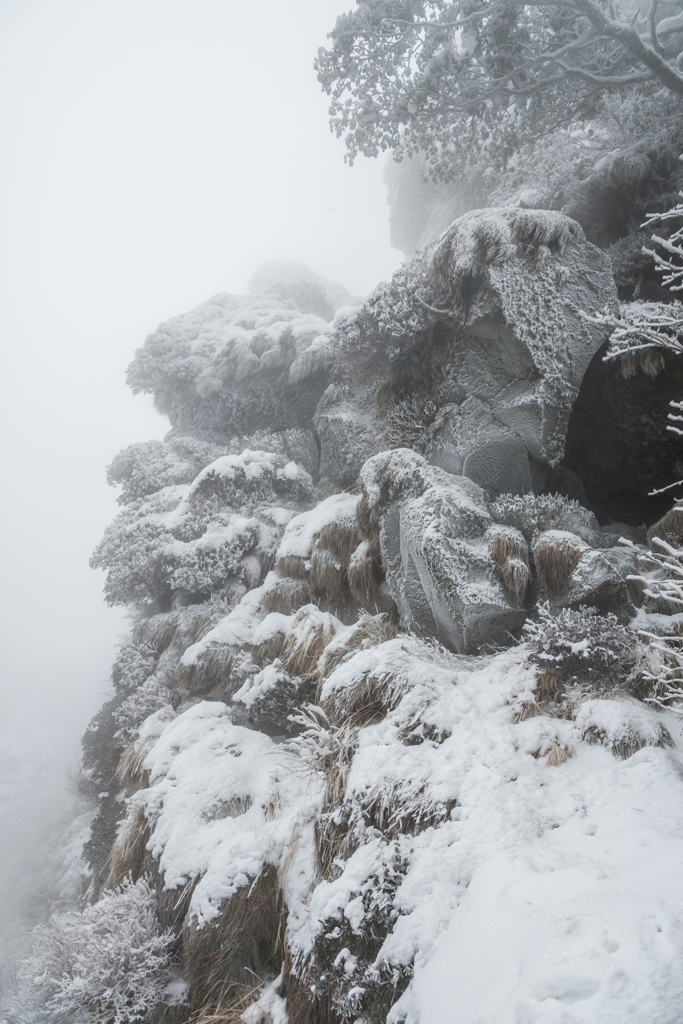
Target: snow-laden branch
{"x": 642, "y": 326}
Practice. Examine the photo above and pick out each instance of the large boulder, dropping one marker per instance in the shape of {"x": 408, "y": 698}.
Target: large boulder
{"x": 431, "y": 529}
{"x": 236, "y": 365}
{"x": 472, "y": 354}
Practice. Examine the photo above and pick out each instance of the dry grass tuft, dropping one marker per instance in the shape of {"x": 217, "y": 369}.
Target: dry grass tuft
{"x": 557, "y": 755}
{"x": 293, "y": 566}
{"x": 222, "y": 958}
{"x": 403, "y": 809}
{"x": 312, "y": 630}
{"x": 548, "y": 687}
{"x": 172, "y": 904}
{"x": 265, "y": 653}
{"x": 367, "y": 700}
{"x": 364, "y": 575}
{"x": 206, "y": 618}
{"x": 556, "y": 558}
{"x": 324, "y": 750}
{"x": 327, "y": 574}
{"x": 510, "y": 554}
{"x": 210, "y": 674}
{"x": 368, "y": 631}
{"x": 527, "y": 709}
{"x": 129, "y": 769}
{"x": 649, "y": 360}
{"x": 286, "y": 596}
{"x": 127, "y": 855}
{"x": 233, "y": 1011}
{"x": 340, "y": 537}
{"x": 669, "y": 527}
{"x": 304, "y": 1004}
{"x": 628, "y": 743}
{"x": 483, "y": 238}
{"x": 159, "y": 630}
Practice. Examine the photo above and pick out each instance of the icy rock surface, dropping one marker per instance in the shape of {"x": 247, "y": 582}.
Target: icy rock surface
{"x": 438, "y": 566}
{"x": 327, "y": 784}
{"x": 485, "y": 326}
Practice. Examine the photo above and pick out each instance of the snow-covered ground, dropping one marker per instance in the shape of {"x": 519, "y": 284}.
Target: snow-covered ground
{"x": 540, "y": 881}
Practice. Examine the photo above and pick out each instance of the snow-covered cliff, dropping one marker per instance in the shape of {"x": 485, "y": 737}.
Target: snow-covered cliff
{"x": 332, "y": 785}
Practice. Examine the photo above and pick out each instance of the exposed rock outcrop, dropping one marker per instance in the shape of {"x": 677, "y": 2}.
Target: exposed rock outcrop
{"x": 478, "y": 344}
{"x": 343, "y": 521}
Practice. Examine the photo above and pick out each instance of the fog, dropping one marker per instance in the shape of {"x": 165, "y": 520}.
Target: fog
{"x": 154, "y": 152}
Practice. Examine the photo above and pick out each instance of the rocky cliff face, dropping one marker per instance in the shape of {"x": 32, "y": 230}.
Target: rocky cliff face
{"x": 312, "y": 756}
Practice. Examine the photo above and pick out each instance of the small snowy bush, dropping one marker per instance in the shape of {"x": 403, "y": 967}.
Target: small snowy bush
{"x": 661, "y": 664}
{"x": 141, "y": 703}
{"x": 108, "y": 963}
{"x": 581, "y": 648}
{"x": 531, "y": 514}
{"x": 135, "y": 662}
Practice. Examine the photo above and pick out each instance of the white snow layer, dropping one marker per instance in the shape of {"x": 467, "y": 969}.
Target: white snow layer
{"x": 544, "y": 893}
{"x": 301, "y": 531}
{"x": 220, "y": 804}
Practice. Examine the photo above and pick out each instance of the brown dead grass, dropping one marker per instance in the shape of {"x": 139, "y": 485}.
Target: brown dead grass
{"x": 629, "y": 743}
{"x": 210, "y": 675}
{"x": 292, "y": 566}
{"x": 510, "y": 555}
{"x": 129, "y": 770}
{"x": 556, "y": 559}
{"x": 309, "y": 636}
{"x": 159, "y": 630}
{"x": 286, "y": 596}
{"x": 328, "y": 575}
{"x": 222, "y": 959}
{"x": 303, "y": 1007}
{"x": 527, "y": 709}
{"x": 368, "y": 631}
{"x": 127, "y": 855}
{"x": 650, "y": 361}
{"x": 548, "y": 687}
{"x": 403, "y": 809}
{"x": 364, "y": 575}
{"x": 339, "y": 537}
{"x": 265, "y": 653}
{"x": 368, "y": 700}
{"x": 669, "y": 527}
{"x": 557, "y": 755}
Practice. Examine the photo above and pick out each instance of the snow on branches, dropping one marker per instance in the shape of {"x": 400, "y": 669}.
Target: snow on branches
{"x": 581, "y": 647}
{"x": 109, "y": 962}
{"x": 644, "y": 329}
{"x": 195, "y": 537}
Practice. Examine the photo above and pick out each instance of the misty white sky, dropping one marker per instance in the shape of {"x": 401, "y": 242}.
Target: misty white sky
{"x": 154, "y": 153}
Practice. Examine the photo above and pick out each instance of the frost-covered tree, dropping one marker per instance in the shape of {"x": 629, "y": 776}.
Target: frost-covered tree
{"x": 108, "y": 964}
{"x": 580, "y": 647}
{"x": 643, "y": 331}
{"x": 465, "y": 79}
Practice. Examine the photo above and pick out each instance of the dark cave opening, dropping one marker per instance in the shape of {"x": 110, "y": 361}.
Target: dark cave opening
{"x": 618, "y": 443}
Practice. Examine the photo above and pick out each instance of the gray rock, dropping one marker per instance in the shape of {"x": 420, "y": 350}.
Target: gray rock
{"x": 438, "y": 567}
{"x": 574, "y": 574}
{"x": 484, "y": 329}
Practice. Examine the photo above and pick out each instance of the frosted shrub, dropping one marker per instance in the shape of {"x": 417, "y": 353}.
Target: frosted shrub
{"x": 661, "y": 668}
{"x": 147, "y": 466}
{"x": 108, "y": 964}
{"x": 580, "y": 649}
{"x": 150, "y": 697}
{"x": 533, "y": 513}
{"x": 393, "y": 311}
{"x": 135, "y": 662}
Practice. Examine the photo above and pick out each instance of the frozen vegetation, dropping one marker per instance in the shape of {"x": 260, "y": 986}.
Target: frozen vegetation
{"x": 396, "y": 732}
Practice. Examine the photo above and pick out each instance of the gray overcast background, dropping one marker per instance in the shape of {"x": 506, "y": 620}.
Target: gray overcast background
{"x": 154, "y": 152}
